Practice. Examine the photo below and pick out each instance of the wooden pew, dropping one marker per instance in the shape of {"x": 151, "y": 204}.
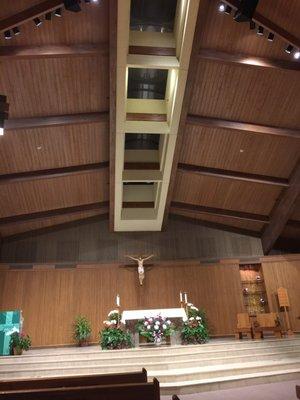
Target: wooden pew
{"x": 130, "y": 391}
{"x": 298, "y": 391}
{"x": 74, "y": 381}
{"x": 243, "y": 326}
{"x": 267, "y": 322}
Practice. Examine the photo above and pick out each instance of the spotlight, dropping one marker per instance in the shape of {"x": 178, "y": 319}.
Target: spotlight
{"x": 37, "y": 22}
{"x": 7, "y": 35}
{"x": 72, "y": 5}
{"x": 95, "y": 1}
{"x": 48, "y": 16}
{"x": 228, "y": 10}
{"x": 246, "y": 10}
{"x": 221, "y": 7}
{"x": 252, "y": 25}
{"x": 162, "y": 29}
{"x": 297, "y": 55}
{"x": 271, "y": 37}
{"x": 289, "y": 49}
{"x": 57, "y": 12}
{"x": 260, "y": 31}
{"x": 16, "y": 31}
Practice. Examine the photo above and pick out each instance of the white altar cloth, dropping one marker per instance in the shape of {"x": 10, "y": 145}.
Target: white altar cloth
{"x": 165, "y": 312}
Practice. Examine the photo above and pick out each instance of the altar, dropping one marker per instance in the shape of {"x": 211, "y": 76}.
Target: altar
{"x": 130, "y": 318}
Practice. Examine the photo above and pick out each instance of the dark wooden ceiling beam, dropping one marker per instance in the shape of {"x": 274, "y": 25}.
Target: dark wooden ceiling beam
{"x": 234, "y": 175}
{"x": 29, "y": 14}
{"x": 56, "y": 120}
{"x": 202, "y": 210}
{"x": 53, "y": 213}
{"x": 282, "y": 211}
{"x": 241, "y": 126}
{"x": 244, "y": 59}
{"x": 17, "y": 177}
{"x": 53, "y": 51}
{"x": 269, "y": 25}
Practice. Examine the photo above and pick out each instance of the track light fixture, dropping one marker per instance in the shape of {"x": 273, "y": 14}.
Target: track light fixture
{"x": 297, "y": 55}
{"x": 252, "y": 25}
{"x": 222, "y": 7}
{"x": 4, "y": 107}
{"x": 246, "y": 10}
{"x": 48, "y": 16}
{"x": 37, "y": 22}
{"x": 7, "y": 35}
{"x": 228, "y": 10}
{"x": 57, "y": 13}
{"x": 271, "y": 37}
{"x": 289, "y": 49}
{"x": 72, "y": 5}
{"x": 260, "y": 31}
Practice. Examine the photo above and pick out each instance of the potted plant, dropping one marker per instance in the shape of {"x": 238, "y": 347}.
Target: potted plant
{"x": 194, "y": 330}
{"x": 19, "y": 342}
{"x": 114, "y": 336}
{"x": 155, "y": 330}
{"x": 82, "y": 330}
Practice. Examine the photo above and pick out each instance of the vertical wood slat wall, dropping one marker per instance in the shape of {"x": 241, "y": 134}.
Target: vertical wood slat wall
{"x": 52, "y": 297}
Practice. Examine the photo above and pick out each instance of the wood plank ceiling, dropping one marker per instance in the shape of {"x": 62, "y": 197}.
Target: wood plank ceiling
{"x": 240, "y": 135}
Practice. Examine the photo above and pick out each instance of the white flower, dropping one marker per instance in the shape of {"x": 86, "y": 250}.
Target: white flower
{"x": 190, "y": 304}
{"x": 191, "y": 319}
{"x": 194, "y": 308}
{"x": 146, "y": 323}
{"x": 150, "y": 319}
{"x": 113, "y": 321}
{"x": 157, "y": 323}
{"x": 148, "y": 327}
{"x": 198, "y": 318}
{"x": 164, "y": 326}
{"x": 169, "y": 322}
{"x": 156, "y": 327}
{"x": 113, "y": 312}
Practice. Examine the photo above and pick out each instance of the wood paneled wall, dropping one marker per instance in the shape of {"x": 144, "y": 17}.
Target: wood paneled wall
{"x": 52, "y": 297}
{"x": 284, "y": 273}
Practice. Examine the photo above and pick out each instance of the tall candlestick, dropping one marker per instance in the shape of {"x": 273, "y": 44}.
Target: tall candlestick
{"x": 185, "y": 297}
{"x": 180, "y": 297}
{"x": 118, "y": 300}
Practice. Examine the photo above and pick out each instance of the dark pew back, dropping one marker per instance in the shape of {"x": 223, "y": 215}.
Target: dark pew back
{"x": 131, "y": 391}
{"x": 298, "y": 391}
{"x": 75, "y": 381}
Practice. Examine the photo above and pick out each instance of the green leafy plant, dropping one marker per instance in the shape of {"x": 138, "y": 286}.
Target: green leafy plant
{"x": 82, "y": 330}
{"x": 195, "y": 330}
{"x": 113, "y": 338}
{"x": 20, "y": 342}
{"x": 155, "y": 329}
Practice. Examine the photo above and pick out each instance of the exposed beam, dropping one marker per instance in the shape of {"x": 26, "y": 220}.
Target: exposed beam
{"x": 282, "y": 211}
{"x": 53, "y": 213}
{"x": 202, "y": 210}
{"x": 269, "y": 25}
{"x": 288, "y": 244}
{"x": 49, "y": 51}
{"x": 153, "y": 51}
{"x": 233, "y": 175}
{"x": 243, "y": 59}
{"x": 146, "y": 117}
{"x": 138, "y": 204}
{"x": 17, "y": 177}
{"x": 29, "y": 14}
{"x": 56, "y": 120}
{"x": 241, "y": 126}
{"x": 113, "y": 25}
{"x": 214, "y": 225}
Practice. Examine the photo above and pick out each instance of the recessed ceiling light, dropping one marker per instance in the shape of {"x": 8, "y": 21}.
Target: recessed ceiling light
{"x": 7, "y": 35}
{"x": 39, "y": 147}
{"x": 260, "y": 31}
{"x": 289, "y": 49}
{"x": 222, "y": 7}
{"x": 241, "y": 150}
{"x": 271, "y": 37}
{"x": 1, "y": 131}
{"x": 297, "y": 55}
{"x": 37, "y": 22}
{"x": 16, "y": 31}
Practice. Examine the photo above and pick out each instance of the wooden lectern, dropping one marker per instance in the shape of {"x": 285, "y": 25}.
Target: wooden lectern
{"x": 284, "y": 302}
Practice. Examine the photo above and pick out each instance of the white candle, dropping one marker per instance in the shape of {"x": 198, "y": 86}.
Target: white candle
{"x": 181, "y": 297}
{"x": 185, "y": 298}
{"x": 118, "y": 301}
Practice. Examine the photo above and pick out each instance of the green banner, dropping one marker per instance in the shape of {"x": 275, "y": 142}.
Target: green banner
{"x": 9, "y": 323}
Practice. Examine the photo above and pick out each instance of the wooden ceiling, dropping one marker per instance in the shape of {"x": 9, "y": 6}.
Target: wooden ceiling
{"x": 240, "y": 127}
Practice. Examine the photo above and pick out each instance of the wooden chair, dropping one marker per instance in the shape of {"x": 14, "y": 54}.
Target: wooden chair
{"x": 243, "y": 326}
{"x": 298, "y": 391}
{"x": 75, "y": 381}
{"x": 267, "y": 322}
{"x": 131, "y": 391}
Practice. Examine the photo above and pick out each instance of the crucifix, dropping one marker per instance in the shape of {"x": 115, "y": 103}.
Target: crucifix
{"x": 141, "y": 269}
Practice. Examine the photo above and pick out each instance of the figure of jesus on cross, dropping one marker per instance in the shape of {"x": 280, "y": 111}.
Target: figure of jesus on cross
{"x": 141, "y": 270}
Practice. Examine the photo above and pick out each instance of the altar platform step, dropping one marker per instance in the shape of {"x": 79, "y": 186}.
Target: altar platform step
{"x": 180, "y": 369}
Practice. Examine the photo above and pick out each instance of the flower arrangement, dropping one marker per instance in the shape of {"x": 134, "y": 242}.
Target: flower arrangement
{"x": 155, "y": 329}
{"x": 194, "y": 330}
{"x": 19, "y": 342}
{"x": 114, "y": 336}
{"x": 82, "y": 330}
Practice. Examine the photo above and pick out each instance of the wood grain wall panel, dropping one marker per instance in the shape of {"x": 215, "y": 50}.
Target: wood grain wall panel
{"x": 88, "y": 26}
{"x": 284, "y": 274}
{"x": 55, "y": 86}
{"x": 242, "y": 224}
{"x": 221, "y": 148}
{"x": 53, "y": 298}
{"x": 49, "y": 194}
{"x": 220, "y": 32}
{"x": 60, "y": 147}
{"x": 20, "y": 227}
{"x": 222, "y": 193}
{"x": 243, "y": 93}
